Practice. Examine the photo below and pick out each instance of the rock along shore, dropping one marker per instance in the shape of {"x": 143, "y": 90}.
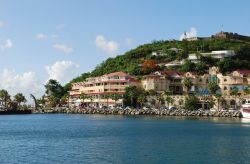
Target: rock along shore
{"x": 148, "y": 112}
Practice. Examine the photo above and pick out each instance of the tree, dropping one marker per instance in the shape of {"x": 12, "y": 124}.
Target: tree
{"x": 201, "y": 67}
{"x": 169, "y": 100}
{"x": 159, "y": 98}
{"x": 4, "y": 96}
{"x": 246, "y": 91}
{"x": 213, "y": 87}
{"x": 188, "y": 66}
{"x": 235, "y": 93}
{"x": 191, "y": 103}
{"x": 219, "y": 99}
{"x": 19, "y": 98}
{"x": 141, "y": 99}
{"x": 115, "y": 97}
{"x": 131, "y": 92}
{"x": 107, "y": 97}
{"x": 55, "y": 90}
{"x": 83, "y": 96}
{"x": 65, "y": 99}
{"x": 187, "y": 83}
{"x": 149, "y": 66}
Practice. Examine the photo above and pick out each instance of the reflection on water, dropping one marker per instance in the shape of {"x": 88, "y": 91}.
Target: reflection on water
{"x": 245, "y": 122}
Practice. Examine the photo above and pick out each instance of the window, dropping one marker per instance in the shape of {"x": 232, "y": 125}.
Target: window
{"x": 225, "y": 88}
{"x": 200, "y": 80}
{"x": 225, "y": 79}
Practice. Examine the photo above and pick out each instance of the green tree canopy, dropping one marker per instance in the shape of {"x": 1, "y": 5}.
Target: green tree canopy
{"x": 19, "y": 98}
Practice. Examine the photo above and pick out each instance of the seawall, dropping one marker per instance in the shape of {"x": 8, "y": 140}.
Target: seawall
{"x": 199, "y": 113}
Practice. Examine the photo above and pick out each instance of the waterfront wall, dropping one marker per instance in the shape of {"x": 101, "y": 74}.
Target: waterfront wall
{"x": 200, "y": 113}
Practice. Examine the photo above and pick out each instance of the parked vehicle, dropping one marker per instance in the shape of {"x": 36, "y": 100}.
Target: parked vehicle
{"x": 172, "y": 108}
{"x": 213, "y": 110}
{"x": 146, "y": 108}
{"x": 163, "y": 108}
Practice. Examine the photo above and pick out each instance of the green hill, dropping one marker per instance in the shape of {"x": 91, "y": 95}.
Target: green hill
{"x": 133, "y": 61}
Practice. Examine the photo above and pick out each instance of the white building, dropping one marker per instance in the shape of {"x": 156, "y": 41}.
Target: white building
{"x": 158, "y": 53}
{"x": 174, "y": 63}
{"x": 214, "y": 54}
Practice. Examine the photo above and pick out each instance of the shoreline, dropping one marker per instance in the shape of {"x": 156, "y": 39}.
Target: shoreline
{"x": 133, "y": 112}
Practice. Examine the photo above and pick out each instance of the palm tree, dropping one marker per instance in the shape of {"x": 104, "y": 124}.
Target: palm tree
{"x": 235, "y": 93}
{"x": 4, "y": 96}
{"x": 83, "y": 96}
{"x": 219, "y": 98}
{"x": 159, "y": 98}
{"x": 187, "y": 84}
{"x": 107, "y": 96}
{"x": 169, "y": 100}
{"x": 115, "y": 97}
{"x": 131, "y": 93}
{"x": 213, "y": 87}
{"x": 19, "y": 98}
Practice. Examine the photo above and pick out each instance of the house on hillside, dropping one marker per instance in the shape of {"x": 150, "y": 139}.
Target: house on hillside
{"x": 221, "y": 54}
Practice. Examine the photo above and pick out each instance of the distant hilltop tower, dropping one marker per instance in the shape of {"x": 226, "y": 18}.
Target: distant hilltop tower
{"x": 230, "y": 35}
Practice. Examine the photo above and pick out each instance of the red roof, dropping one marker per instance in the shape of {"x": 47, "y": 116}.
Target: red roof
{"x": 245, "y": 72}
{"x": 167, "y": 73}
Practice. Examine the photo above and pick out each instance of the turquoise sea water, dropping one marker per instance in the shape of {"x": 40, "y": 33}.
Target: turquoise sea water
{"x": 72, "y": 139}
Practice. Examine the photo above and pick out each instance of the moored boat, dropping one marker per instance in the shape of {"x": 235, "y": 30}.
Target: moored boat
{"x": 245, "y": 109}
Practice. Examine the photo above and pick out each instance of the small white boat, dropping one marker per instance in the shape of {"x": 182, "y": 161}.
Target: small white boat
{"x": 245, "y": 109}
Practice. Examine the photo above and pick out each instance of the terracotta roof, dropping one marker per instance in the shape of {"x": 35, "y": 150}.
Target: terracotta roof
{"x": 116, "y": 74}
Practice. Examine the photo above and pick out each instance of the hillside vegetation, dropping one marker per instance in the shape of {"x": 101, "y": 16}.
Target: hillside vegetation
{"x": 140, "y": 61}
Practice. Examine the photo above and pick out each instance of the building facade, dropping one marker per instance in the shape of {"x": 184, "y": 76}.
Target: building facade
{"x": 97, "y": 91}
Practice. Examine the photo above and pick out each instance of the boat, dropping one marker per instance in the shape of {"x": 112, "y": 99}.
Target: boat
{"x": 245, "y": 109}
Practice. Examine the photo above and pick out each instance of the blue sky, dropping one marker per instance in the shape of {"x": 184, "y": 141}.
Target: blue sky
{"x": 61, "y": 39}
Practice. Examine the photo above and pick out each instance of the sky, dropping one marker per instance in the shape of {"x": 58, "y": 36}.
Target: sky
{"x": 61, "y": 39}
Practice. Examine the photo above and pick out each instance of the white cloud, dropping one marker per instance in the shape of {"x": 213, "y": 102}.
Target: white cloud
{"x": 192, "y": 33}
{"x": 41, "y": 36}
{"x": 26, "y": 83}
{"x": 62, "y": 71}
{"x": 6, "y": 45}
{"x": 63, "y": 47}
{"x": 110, "y": 47}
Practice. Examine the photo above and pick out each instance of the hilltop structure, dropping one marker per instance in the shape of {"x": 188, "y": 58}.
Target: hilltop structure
{"x": 221, "y": 35}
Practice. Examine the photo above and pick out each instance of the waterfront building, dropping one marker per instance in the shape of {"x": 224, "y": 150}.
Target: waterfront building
{"x": 98, "y": 90}
{"x": 162, "y": 81}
